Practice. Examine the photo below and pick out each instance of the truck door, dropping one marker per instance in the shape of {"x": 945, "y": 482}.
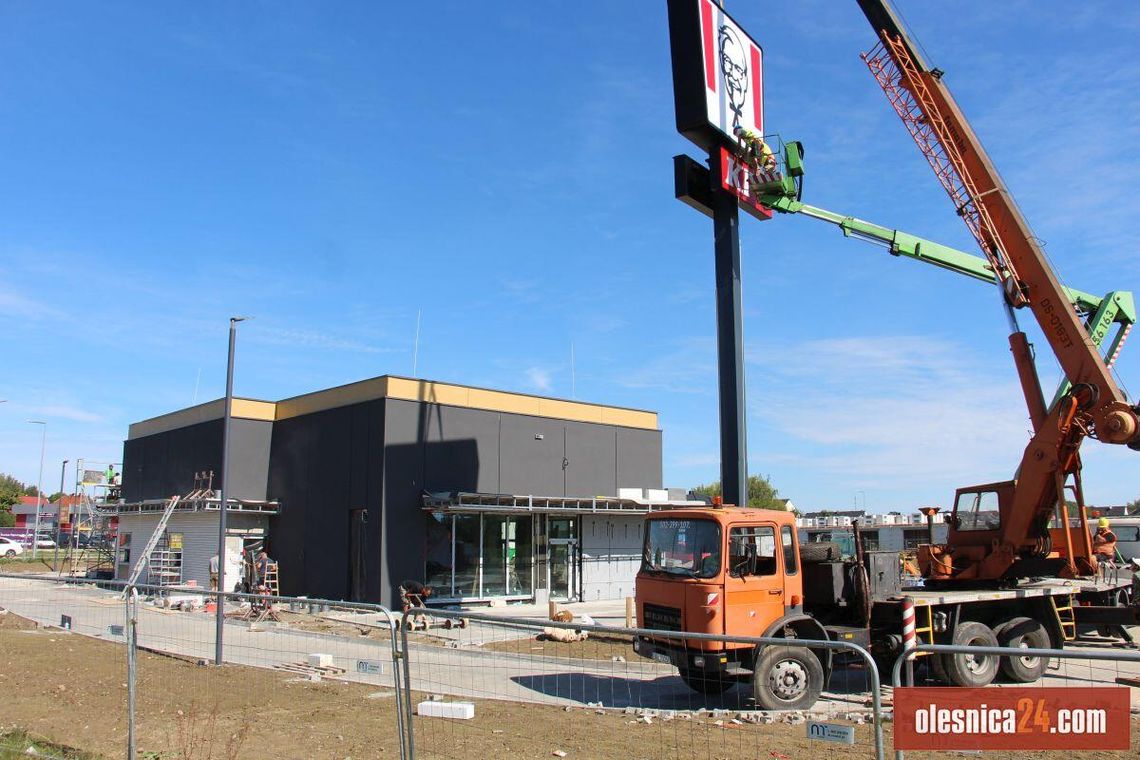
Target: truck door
{"x": 754, "y": 580}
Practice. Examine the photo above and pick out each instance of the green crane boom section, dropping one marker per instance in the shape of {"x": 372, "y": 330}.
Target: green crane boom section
{"x": 1100, "y": 313}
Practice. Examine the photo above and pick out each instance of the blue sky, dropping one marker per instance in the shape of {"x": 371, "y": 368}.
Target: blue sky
{"x": 505, "y": 167}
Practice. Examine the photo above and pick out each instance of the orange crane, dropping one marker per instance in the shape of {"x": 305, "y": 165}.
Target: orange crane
{"x": 1021, "y": 527}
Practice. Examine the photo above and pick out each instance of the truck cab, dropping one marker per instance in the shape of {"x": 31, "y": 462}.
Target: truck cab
{"x": 729, "y": 572}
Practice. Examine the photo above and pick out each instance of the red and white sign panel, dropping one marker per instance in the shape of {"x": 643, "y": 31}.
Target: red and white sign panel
{"x": 734, "y": 177}
{"x": 718, "y": 74}
{"x": 733, "y": 67}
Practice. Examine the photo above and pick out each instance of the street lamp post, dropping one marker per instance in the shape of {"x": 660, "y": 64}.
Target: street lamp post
{"x": 221, "y": 599}
{"x": 39, "y": 488}
{"x": 59, "y": 511}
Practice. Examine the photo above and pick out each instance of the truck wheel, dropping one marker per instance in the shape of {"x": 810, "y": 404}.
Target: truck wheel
{"x": 703, "y": 682}
{"x": 1023, "y": 632}
{"x": 820, "y": 551}
{"x": 787, "y": 678}
{"x": 971, "y": 669}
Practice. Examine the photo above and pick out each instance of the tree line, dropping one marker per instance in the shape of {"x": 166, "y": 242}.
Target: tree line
{"x": 761, "y": 493}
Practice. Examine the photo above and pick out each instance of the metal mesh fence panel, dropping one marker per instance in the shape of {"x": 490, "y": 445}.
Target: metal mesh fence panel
{"x": 63, "y": 667}
{"x": 482, "y": 685}
{"x": 301, "y": 678}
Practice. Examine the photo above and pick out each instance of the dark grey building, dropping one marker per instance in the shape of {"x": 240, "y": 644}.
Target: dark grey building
{"x": 352, "y": 469}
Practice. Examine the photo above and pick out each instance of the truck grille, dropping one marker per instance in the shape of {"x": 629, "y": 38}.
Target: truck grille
{"x": 662, "y": 618}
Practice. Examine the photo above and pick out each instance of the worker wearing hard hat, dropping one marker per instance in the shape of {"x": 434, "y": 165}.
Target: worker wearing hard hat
{"x": 1104, "y": 541}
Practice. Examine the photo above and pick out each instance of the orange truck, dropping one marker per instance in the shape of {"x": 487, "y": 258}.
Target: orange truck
{"x": 737, "y": 572}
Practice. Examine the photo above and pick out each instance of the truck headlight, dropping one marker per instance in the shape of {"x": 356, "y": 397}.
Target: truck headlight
{"x": 698, "y": 662}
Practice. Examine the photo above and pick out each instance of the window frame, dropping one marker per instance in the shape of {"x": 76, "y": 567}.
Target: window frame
{"x": 756, "y": 533}
{"x": 789, "y": 550}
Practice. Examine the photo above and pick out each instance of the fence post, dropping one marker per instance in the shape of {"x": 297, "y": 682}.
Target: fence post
{"x": 132, "y": 621}
{"x": 395, "y": 647}
{"x": 411, "y": 710}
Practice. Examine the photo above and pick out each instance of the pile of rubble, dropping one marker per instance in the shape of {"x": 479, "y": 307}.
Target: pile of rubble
{"x": 720, "y": 717}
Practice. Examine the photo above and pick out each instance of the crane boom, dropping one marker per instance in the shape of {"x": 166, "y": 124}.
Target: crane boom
{"x": 1022, "y": 542}
{"x": 960, "y": 162}
{"x": 902, "y": 243}
{"x": 1101, "y": 314}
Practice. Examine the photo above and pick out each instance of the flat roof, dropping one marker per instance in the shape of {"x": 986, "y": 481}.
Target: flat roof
{"x": 403, "y": 388}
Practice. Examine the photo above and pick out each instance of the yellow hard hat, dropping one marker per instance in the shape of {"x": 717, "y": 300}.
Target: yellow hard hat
{"x": 1102, "y": 522}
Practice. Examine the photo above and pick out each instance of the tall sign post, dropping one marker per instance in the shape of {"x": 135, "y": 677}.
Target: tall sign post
{"x": 718, "y": 92}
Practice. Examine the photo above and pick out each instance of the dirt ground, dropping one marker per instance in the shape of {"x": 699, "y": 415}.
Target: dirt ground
{"x": 305, "y": 622}
{"x": 72, "y": 690}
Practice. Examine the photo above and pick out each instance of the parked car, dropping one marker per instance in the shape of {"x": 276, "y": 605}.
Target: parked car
{"x": 10, "y": 548}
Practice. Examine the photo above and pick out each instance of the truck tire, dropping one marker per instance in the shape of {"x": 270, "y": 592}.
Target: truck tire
{"x": 1023, "y": 632}
{"x": 968, "y": 669}
{"x": 787, "y": 678}
{"x": 706, "y": 683}
{"x": 822, "y": 551}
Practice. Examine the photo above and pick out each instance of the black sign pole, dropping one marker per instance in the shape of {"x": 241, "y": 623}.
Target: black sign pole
{"x": 730, "y": 346}
{"x": 717, "y": 87}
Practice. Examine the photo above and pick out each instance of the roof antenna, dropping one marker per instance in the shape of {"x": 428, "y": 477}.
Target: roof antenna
{"x": 196, "y": 384}
{"x": 416, "y": 350}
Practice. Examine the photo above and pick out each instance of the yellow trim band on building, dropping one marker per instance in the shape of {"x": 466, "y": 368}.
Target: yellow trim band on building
{"x": 449, "y": 394}
{"x": 243, "y": 408}
{"x": 407, "y": 389}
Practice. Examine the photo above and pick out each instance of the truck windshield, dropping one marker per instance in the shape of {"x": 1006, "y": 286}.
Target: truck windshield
{"x": 689, "y": 548}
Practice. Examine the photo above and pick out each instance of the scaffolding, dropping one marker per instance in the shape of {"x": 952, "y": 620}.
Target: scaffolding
{"x": 164, "y": 565}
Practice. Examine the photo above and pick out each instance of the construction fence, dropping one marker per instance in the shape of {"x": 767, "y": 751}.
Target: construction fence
{"x": 130, "y": 673}
{"x": 539, "y": 688}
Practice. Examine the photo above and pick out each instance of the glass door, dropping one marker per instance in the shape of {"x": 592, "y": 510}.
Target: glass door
{"x": 563, "y": 580}
{"x": 562, "y": 557}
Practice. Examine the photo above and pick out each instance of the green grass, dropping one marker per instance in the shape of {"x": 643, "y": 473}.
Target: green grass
{"x": 14, "y": 745}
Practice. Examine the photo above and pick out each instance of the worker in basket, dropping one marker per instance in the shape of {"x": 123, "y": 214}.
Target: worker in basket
{"x": 1104, "y": 542}
{"x": 760, "y": 159}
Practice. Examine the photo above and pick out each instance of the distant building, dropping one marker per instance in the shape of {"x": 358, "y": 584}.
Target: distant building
{"x": 893, "y": 531}
{"x": 24, "y": 510}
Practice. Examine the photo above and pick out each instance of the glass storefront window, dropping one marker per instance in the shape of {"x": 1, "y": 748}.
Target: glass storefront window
{"x": 467, "y": 555}
{"x": 522, "y": 579}
{"x": 479, "y": 556}
{"x": 437, "y": 553}
{"x": 507, "y": 555}
{"x": 561, "y": 527}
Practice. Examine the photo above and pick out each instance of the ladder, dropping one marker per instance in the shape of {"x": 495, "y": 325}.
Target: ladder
{"x": 1066, "y": 618}
{"x": 269, "y": 582}
{"x": 152, "y": 542}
